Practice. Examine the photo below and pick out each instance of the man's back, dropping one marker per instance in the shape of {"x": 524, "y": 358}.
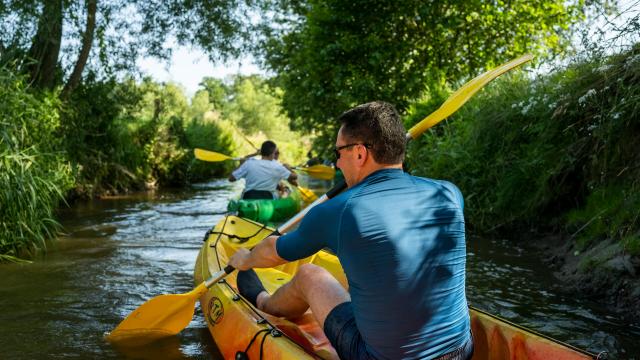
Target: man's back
{"x": 401, "y": 242}
{"x": 402, "y": 245}
{"x": 262, "y": 175}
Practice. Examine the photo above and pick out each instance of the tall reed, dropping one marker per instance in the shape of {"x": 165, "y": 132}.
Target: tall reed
{"x": 33, "y": 173}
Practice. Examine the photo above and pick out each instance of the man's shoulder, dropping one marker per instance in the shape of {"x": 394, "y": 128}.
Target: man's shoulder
{"x": 335, "y": 205}
{"x": 416, "y": 186}
{"x": 442, "y": 188}
{"x": 425, "y": 181}
{"x": 249, "y": 161}
{"x": 269, "y": 163}
{"x": 253, "y": 162}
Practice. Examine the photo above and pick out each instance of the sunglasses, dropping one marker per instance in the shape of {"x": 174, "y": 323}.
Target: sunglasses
{"x": 338, "y": 148}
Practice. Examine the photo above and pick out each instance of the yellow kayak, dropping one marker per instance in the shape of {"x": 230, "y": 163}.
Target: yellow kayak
{"x": 239, "y": 329}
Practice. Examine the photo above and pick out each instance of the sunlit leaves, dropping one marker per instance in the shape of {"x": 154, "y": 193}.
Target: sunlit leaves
{"x": 337, "y": 54}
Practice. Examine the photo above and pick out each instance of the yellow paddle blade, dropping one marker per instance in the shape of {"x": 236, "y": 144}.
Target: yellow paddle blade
{"x": 164, "y": 315}
{"x": 307, "y": 195}
{"x": 457, "y": 99}
{"x": 211, "y": 156}
{"x": 323, "y": 172}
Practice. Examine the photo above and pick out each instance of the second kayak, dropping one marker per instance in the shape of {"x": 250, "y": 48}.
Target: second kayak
{"x": 267, "y": 210}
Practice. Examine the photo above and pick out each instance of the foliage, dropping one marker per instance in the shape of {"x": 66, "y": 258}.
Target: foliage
{"x": 123, "y": 32}
{"x": 251, "y": 106}
{"x": 331, "y": 55}
{"x": 608, "y": 214}
{"x": 557, "y": 152}
{"x": 33, "y": 174}
{"x": 255, "y": 109}
{"x": 98, "y": 141}
{"x": 129, "y": 136}
{"x": 103, "y": 138}
{"x": 206, "y": 129}
{"x": 161, "y": 116}
{"x": 217, "y": 90}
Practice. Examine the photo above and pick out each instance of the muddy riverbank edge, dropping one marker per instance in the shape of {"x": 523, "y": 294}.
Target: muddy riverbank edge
{"x": 604, "y": 272}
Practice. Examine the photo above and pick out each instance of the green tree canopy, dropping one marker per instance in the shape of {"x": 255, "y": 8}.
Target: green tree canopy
{"x": 217, "y": 90}
{"x": 330, "y": 55}
{"x": 255, "y": 107}
{"x": 252, "y": 106}
{"x": 55, "y": 39}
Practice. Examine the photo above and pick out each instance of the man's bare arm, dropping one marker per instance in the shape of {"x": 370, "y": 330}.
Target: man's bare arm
{"x": 293, "y": 179}
{"x": 264, "y": 255}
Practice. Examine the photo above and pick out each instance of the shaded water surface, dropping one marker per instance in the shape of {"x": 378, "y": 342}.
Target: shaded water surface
{"x": 511, "y": 281}
{"x": 121, "y": 252}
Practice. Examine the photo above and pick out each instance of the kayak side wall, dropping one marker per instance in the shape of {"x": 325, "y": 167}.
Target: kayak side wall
{"x": 495, "y": 339}
{"x": 233, "y": 324}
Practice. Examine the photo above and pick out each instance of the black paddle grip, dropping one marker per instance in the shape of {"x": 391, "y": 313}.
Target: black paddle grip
{"x": 336, "y": 189}
{"x": 228, "y": 269}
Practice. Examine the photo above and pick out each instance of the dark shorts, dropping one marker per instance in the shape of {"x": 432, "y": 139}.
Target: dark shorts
{"x": 341, "y": 330}
{"x": 257, "y": 194}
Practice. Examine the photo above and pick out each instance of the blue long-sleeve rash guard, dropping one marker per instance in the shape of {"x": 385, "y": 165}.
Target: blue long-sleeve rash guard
{"x": 401, "y": 242}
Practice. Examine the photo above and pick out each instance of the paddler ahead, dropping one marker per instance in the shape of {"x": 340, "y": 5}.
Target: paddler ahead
{"x": 263, "y": 175}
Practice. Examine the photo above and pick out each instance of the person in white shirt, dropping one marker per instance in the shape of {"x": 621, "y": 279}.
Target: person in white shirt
{"x": 263, "y": 175}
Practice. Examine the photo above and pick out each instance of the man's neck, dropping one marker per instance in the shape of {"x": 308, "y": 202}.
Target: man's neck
{"x": 370, "y": 169}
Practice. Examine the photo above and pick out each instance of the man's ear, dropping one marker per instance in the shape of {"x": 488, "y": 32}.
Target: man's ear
{"x": 359, "y": 156}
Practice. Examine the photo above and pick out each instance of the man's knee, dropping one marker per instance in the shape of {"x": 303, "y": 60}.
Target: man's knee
{"x": 320, "y": 290}
{"x": 312, "y": 275}
{"x": 310, "y": 272}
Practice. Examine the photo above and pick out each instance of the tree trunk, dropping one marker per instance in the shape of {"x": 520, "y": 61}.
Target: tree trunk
{"x": 45, "y": 48}
{"x": 87, "y": 42}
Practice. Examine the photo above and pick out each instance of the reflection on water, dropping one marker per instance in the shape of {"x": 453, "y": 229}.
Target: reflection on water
{"x": 118, "y": 253}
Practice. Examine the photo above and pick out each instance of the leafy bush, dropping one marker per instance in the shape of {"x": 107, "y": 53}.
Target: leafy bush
{"x": 126, "y": 136}
{"x": 99, "y": 140}
{"x": 610, "y": 213}
{"x": 536, "y": 153}
{"x": 208, "y": 131}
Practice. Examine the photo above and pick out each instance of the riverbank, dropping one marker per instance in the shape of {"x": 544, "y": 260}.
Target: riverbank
{"x": 604, "y": 273}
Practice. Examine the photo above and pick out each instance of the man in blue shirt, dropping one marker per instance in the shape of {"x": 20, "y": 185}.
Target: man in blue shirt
{"x": 400, "y": 240}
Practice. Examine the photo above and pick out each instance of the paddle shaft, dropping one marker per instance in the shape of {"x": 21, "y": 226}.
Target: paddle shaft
{"x": 218, "y": 276}
{"x": 212, "y": 156}
{"x": 322, "y": 172}
{"x": 246, "y": 138}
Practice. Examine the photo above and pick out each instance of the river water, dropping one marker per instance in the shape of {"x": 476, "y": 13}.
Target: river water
{"x": 119, "y": 252}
